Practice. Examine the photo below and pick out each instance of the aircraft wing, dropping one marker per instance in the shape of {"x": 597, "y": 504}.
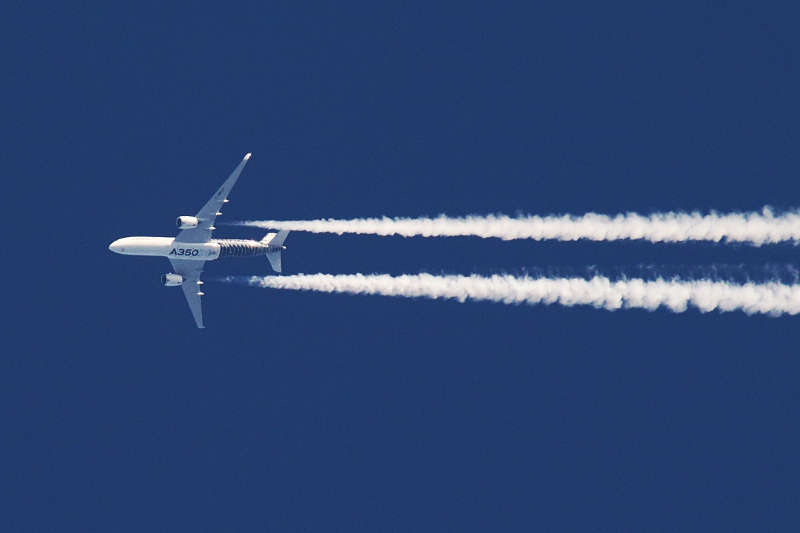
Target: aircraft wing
{"x": 208, "y": 214}
{"x": 190, "y": 271}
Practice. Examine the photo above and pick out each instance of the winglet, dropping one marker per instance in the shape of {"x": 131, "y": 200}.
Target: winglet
{"x": 247, "y": 157}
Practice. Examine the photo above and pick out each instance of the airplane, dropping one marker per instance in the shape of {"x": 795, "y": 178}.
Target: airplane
{"x": 193, "y": 246}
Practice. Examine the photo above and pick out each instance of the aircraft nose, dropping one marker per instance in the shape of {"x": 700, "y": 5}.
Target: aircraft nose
{"x": 115, "y": 246}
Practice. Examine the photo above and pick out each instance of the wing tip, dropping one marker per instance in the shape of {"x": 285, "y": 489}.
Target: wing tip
{"x": 247, "y": 157}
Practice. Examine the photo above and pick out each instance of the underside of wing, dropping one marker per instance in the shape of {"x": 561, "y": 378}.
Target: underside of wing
{"x": 190, "y": 272}
{"x": 208, "y": 214}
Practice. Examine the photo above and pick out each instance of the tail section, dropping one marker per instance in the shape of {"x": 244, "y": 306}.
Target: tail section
{"x": 275, "y": 239}
{"x": 275, "y": 261}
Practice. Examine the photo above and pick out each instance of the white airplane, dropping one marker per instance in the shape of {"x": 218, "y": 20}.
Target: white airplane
{"x": 193, "y": 246}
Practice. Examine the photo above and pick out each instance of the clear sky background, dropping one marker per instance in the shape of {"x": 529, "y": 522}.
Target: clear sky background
{"x": 318, "y": 412}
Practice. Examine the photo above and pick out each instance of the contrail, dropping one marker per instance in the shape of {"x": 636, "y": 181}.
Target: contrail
{"x": 753, "y": 228}
{"x": 773, "y": 298}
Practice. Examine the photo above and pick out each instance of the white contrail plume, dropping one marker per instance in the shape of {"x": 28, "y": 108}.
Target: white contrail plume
{"x": 754, "y": 228}
{"x": 772, "y": 298}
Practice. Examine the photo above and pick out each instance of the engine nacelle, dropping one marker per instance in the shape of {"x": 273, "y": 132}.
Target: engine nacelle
{"x": 171, "y": 280}
{"x": 187, "y": 222}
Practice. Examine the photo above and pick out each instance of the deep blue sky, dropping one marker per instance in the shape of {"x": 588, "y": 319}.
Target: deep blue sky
{"x": 313, "y": 412}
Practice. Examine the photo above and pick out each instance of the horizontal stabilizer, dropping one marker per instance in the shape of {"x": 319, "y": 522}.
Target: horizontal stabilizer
{"x": 268, "y": 238}
{"x": 275, "y": 261}
{"x": 278, "y": 239}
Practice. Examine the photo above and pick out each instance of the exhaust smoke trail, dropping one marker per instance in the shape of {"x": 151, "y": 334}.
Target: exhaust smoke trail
{"x": 753, "y": 228}
{"x": 773, "y": 298}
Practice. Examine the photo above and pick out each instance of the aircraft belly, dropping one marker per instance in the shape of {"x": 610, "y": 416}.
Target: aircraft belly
{"x": 147, "y": 246}
{"x": 207, "y": 251}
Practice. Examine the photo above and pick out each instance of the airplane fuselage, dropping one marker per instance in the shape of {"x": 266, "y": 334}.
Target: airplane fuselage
{"x": 165, "y": 247}
{"x": 208, "y": 251}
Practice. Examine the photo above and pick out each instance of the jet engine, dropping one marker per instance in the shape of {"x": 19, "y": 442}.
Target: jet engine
{"x": 171, "y": 280}
{"x": 187, "y": 222}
